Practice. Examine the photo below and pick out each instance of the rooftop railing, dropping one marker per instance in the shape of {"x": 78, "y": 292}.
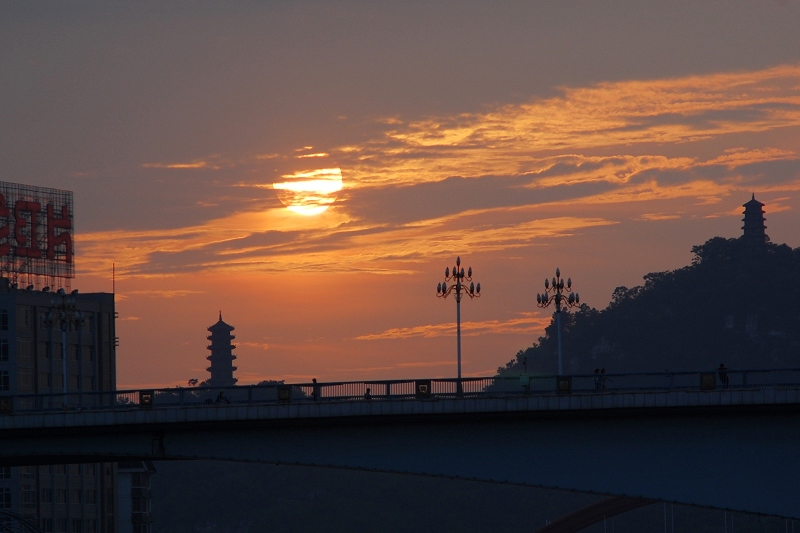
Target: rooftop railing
{"x": 406, "y": 389}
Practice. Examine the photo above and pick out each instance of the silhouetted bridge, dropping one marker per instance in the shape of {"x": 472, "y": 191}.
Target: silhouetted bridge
{"x": 679, "y": 437}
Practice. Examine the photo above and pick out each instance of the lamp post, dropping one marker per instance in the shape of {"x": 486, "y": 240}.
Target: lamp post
{"x": 63, "y": 310}
{"x": 555, "y": 293}
{"x": 459, "y": 289}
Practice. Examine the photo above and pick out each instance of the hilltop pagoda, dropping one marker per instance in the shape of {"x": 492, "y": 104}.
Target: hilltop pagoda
{"x": 754, "y": 230}
{"x": 221, "y": 355}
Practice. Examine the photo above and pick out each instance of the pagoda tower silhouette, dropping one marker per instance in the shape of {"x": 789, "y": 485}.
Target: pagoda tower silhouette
{"x": 754, "y": 230}
{"x": 221, "y": 355}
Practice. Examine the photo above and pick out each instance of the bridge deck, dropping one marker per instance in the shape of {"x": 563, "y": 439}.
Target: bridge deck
{"x": 601, "y": 404}
{"x": 638, "y": 440}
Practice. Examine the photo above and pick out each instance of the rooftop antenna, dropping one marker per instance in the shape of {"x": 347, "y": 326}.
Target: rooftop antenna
{"x": 113, "y": 279}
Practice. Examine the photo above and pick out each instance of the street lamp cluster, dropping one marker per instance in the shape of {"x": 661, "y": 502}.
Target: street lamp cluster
{"x": 558, "y": 292}
{"x": 443, "y": 290}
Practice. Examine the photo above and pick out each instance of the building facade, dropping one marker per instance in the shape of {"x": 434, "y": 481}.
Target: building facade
{"x": 135, "y": 496}
{"x": 51, "y": 343}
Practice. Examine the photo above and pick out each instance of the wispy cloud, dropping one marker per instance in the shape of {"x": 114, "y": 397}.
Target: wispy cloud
{"x": 509, "y": 174}
{"x": 172, "y": 293}
{"x": 180, "y": 166}
{"x": 521, "y": 325}
{"x": 263, "y": 346}
{"x": 512, "y": 139}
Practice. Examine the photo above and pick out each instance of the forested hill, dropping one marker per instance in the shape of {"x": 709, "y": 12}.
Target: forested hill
{"x": 735, "y": 304}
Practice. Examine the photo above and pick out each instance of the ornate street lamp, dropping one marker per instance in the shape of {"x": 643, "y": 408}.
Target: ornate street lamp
{"x": 555, "y": 293}
{"x": 443, "y": 290}
{"x": 63, "y": 310}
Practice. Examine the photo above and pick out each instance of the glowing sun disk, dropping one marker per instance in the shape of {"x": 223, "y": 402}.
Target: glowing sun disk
{"x": 309, "y": 192}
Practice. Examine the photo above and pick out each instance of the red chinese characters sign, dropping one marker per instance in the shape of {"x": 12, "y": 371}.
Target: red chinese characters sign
{"x": 36, "y": 231}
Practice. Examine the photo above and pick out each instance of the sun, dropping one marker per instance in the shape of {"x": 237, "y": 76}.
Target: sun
{"x": 309, "y": 192}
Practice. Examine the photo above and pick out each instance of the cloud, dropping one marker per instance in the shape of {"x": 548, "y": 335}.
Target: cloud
{"x": 510, "y": 139}
{"x": 171, "y": 293}
{"x": 257, "y": 345}
{"x": 659, "y": 216}
{"x": 521, "y": 325}
{"x": 180, "y": 166}
{"x": 514, "y": 175}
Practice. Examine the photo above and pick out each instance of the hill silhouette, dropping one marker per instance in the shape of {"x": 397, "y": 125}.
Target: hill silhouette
{"x": 737, "y": 303}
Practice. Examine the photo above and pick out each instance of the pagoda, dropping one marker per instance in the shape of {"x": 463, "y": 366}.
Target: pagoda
{"x": 754, "y": 230}
{"x": 221, "y": 355}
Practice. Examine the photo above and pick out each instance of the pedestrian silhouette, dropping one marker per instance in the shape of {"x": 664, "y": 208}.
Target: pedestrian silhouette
{"x": 597, "y": 380}
{"x": 368, "y": 394}
{"x": 315, "y": 390}
{"x": 723, "y": 375}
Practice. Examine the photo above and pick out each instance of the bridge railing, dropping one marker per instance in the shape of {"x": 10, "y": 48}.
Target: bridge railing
{"x": 407, "y": 389}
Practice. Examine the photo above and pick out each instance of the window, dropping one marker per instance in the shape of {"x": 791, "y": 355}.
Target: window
{"x": 75, "y": 496}
{"x": 90, "y": 469}
{"x": 61, "y": 469}
{"x": 77, "y": 525}
{"x": 141, "y": 504}
{"x": 28, "y": 471}
{"x": 5, "y": 382}
{"x": 24, "y": 380}
{"x": 5, "y": 498}
{"x": 91, "y": 525}
{"x": 91, "y": 496}
{"x": 46, "y": 525}
{"x": 47, "y": 495}
{"x": 5, "y": 472}
{"x": 62, "y": 525}
{"x": 77, "y": 351}
{"x": 140, "y": 480}
{"x": 75, "y": 382}
{"x": 75, "y": 469}
{"x": 28, "y": 496}
{"x": 24, "y": 350}
{"x": 61, "y": 495}
{"x": 3, "y": 350}
{"x": 3, "y": 319}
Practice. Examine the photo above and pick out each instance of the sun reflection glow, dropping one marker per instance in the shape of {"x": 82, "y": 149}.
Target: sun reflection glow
{"x": 310, "y": 192}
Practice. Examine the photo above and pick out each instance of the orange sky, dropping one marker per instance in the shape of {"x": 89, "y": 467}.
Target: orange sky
{"x": 608, "y": 155}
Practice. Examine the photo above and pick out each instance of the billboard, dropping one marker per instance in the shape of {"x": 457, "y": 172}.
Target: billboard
{"x": 36, "y": 233}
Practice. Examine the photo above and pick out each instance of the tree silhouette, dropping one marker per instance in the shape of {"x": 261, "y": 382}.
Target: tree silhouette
{"x": 735, "y": 303}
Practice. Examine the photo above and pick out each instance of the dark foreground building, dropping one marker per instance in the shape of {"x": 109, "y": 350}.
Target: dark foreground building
{"x": 35, "y": 360}
{"x": 53, "y": 342}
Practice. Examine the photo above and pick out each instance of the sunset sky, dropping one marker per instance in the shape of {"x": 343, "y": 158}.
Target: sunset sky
{"x": 604, "y": 138}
